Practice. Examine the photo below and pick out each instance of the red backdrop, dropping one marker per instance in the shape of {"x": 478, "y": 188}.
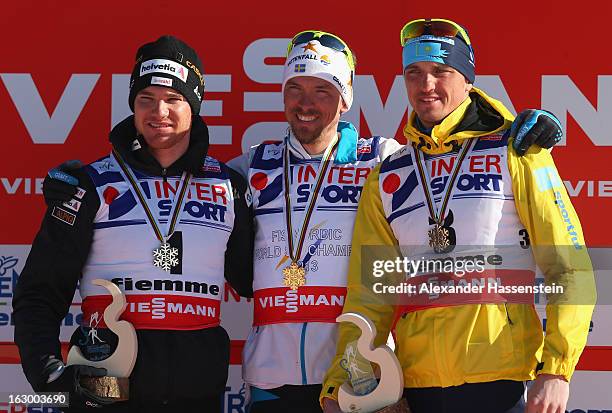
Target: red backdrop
{"x": 524, "y": 43}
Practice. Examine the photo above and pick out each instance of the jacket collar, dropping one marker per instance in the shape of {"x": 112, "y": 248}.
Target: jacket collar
{"x": 347, "y": 147}
{"x": 133, "y": 149}
{"x": 478, "y": 115}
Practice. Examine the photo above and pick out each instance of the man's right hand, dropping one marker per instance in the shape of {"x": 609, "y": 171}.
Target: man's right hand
{"x": 66, "y": 379}
{"x": 59, "y": 185}
{"x": 331, "y": 406}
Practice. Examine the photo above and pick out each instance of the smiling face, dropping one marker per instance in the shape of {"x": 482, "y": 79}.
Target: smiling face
{"x": 312, "y": 107}
{"x": 434, "y": 90}
{"x": 163, "y": 117}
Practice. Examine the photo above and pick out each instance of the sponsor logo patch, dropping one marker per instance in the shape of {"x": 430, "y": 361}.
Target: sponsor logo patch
{"x": 63, "y": 215}
{"x": 309, "y": 46}
{"x": 164, "y": 66}
{"x": 196, "y": 70}
{"x": 80, "y": 193}
{"x": 431, "y": 49}
{"x": 211, "y": 165}
{"x": 73, "y": 204}
{"x": 572, "y": 231}
{"x": 491, "y": 138}
{"x": 339, "y": 82}
{"x": 301, "y": 57}
{"x": 547, "y": 178}
{"x": 271, "y": 152}
{"x": 162, "y": 81}
{"x": 364, "y": 148}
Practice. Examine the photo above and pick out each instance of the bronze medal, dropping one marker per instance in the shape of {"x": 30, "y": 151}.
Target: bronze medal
{"x": 439, "y": 238}
{"x": 442, "y": 237}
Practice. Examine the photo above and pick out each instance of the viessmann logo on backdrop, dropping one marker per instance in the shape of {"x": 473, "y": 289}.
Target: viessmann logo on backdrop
{"x": 382, "y": 110}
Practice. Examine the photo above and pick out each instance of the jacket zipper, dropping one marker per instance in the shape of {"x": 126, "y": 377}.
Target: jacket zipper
{"x": 164, "y": 172}
{"x": 303, "y": 354}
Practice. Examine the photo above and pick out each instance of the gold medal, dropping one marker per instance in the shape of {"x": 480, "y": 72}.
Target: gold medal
{"x": 294, "y": 276}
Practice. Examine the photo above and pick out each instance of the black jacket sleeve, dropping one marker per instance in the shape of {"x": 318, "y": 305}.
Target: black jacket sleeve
{"x": 46, "y": 286}
{"x": 239, "y": 252}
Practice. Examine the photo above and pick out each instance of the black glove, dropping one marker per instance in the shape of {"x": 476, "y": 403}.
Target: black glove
{"x": 66, "y": 379}
{"x": 535, "y": 126}
{"x": 59, "y": 186}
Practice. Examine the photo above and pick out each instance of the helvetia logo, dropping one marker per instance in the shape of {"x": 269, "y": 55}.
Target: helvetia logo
{"x": 164, "y": 66}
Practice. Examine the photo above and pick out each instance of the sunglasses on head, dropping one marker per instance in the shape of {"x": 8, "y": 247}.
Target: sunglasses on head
{"x": 434, "y": 27}
{"x": 325, "y": 39}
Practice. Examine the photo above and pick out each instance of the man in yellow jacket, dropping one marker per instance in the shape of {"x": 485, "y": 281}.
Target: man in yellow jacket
{"x": 457, "y": 184}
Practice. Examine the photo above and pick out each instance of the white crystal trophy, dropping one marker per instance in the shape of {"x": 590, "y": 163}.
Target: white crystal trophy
{"x": 387, "y": 396}
{"x": 120, "y": 363}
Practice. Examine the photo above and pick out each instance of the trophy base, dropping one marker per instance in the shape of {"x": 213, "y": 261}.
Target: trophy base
{"x": 399, "y": 407}
{"x": 116, "y": 388}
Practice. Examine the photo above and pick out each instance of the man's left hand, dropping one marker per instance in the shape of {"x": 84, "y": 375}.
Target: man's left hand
{"x": 533, "y": 126}
{"x": 548, "y": 394}
{"x": 59, "y": 185}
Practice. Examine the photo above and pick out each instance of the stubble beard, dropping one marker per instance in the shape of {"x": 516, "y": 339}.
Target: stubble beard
{"x": 306, "y": 137}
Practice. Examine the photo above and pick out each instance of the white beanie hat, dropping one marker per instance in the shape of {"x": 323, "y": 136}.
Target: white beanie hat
{"x": 314, "y": 59}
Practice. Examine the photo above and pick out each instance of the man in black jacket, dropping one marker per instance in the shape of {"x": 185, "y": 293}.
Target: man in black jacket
{"x": 164, "y": 222}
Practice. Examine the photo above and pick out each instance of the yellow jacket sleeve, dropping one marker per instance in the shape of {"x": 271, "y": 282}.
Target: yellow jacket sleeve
{"x": 557, "y": 242}
{"x": 371, "y": 230}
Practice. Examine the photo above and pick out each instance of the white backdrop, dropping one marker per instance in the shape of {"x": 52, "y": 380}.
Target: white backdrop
{"x": 590, "y": 390}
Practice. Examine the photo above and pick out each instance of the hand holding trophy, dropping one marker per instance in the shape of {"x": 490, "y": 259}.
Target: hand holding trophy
{"x": 386, "y": 397}
{"x": 119, "y": 365}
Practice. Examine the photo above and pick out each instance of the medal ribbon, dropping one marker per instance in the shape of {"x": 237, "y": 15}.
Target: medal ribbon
{"x": 294, "y": 253}
{"x": 437, "y": 214}
{"x": 175, "y": 212}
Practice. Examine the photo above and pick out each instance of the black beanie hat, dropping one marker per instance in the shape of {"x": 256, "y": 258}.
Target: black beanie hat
{"x": 172, "y": 63}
